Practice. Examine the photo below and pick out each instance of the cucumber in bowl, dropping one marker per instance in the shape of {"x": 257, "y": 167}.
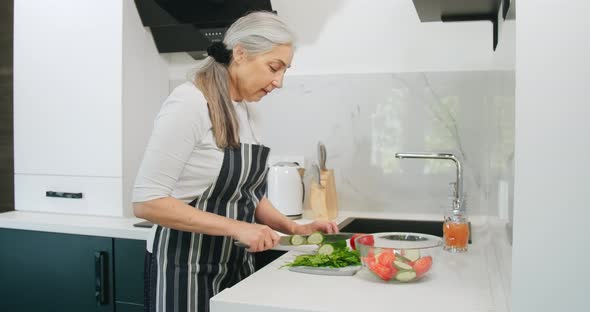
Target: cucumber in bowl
{"x": 397, "y": 266}
{"x": 399, "y": 257}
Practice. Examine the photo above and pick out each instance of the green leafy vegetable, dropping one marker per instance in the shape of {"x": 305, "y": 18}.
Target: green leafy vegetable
{"x": 337, "y": 259}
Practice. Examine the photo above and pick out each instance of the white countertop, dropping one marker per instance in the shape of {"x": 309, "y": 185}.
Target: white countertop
{"x": 118, "y": 227}
{"x": 122, "y": 227}
{"x": 478, "y": 280}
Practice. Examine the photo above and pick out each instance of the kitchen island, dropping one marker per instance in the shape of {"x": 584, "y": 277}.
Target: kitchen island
{"x": 478, "y": 280}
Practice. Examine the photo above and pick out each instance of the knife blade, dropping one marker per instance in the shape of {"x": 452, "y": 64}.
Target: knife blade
{"x": 328, "y": 238}
{"x": 286, "y": 239}
{"x": 322, "y": 156}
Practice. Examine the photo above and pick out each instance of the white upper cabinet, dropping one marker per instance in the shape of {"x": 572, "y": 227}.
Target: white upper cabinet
{"x": 67, "y": 87}
{"x": 88, "y": 82}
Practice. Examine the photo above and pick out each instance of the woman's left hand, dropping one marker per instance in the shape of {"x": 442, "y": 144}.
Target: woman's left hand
{"x": 321, "y": 226}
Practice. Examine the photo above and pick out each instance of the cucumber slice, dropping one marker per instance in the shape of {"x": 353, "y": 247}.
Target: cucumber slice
{"x": 411, "y": 254}
{"x": 405, "y": 276}
{"x": 326, "y": 249}
{"x": 297, "y": 240}
{"x": 402, "y": 258}
{"x": 402, "y": 265}
{"x": 315, "y": 238}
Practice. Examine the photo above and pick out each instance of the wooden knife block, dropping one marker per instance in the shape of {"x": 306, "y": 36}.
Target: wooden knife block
{"x": 323, "y": 198}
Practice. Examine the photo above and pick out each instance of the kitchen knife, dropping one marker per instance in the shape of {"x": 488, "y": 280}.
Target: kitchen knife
{"x": 328, "y": 238}
{"x": 322, "y": 156}
{"x": 286, "y": 239}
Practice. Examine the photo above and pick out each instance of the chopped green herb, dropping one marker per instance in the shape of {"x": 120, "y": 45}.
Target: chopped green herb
{"x": 337, "y": 259}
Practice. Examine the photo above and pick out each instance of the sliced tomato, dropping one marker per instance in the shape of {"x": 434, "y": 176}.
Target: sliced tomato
{"x": 422, "y": 265}
{"x": 368, "y": 240}
{"x": 386, "y": 257}
{"x": 352, "y": 242}
{"x": 369, "y": 261}
{"x": 385, "y": 272}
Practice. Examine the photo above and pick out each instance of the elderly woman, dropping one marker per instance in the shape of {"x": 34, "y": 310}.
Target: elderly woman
{"x": 202, "y": 178}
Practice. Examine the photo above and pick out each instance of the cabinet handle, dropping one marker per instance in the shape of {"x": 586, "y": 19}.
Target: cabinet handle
{"x": 100, "y": 277}
{"x": 63, "y": 194}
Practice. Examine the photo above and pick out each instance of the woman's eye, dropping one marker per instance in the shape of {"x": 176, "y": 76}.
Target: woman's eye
{"x": 272, "y": 69}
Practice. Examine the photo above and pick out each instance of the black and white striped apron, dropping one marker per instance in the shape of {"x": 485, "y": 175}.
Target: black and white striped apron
{"x": 186, "y": 269}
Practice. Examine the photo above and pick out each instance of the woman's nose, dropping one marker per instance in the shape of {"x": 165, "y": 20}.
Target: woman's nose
{"x": 278, "y": 81}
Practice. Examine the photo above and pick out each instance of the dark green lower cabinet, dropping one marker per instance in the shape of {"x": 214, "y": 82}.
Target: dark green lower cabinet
{"x": 129, "y": 262}
{"x": 128, "y": 307}
{"x": 42, "y": 271}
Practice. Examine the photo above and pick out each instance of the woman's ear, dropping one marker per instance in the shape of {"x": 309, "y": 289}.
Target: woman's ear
{"x": 239, "y": 54}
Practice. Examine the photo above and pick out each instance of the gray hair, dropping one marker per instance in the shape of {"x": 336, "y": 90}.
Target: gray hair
{"x": 257, "y": 33}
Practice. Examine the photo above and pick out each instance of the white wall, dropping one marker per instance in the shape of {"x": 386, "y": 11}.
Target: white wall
{"x": 552, "y": 156}
{"x": 380, "y": 36}
{"x": 145, "y": 86}
{"x": 364, "y": 119}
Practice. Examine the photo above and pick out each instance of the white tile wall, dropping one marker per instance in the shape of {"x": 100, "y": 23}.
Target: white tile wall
{"x": 364, "y": 119}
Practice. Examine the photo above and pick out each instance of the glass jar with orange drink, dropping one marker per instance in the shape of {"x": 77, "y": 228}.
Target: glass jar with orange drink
{"x": 455, "y": 232}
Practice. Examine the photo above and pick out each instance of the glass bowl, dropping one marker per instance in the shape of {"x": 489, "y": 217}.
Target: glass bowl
{"x": 398, "y": 256}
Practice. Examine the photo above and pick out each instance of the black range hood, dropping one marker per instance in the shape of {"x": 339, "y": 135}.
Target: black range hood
{"x": 464, "y": 10}
{"x": 191, "y": 25}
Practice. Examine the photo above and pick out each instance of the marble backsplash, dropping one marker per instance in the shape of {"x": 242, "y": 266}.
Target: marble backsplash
{"x": 364, "y": 119}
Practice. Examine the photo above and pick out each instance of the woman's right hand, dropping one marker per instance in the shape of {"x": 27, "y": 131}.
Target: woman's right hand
{"x": 258, "y": 237}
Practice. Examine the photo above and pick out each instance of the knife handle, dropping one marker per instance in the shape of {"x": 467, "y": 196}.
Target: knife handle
{"x": 240, "y": 244}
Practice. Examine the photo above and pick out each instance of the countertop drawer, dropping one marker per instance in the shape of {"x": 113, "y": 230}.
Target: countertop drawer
{"x": 68, "y": 194}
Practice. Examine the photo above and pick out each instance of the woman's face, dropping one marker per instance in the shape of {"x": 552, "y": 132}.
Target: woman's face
{"x": 255, "y": 76}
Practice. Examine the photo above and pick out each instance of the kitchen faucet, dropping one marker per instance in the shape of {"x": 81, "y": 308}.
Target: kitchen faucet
{"x": 458, "y": 205}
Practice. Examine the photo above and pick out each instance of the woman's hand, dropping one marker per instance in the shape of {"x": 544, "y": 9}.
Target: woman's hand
{"x": 258, "y": 237}
{"x": 321, "y": 226}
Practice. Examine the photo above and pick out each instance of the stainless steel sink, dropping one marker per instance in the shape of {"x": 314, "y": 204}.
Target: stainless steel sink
{"x": 363, "y": 225}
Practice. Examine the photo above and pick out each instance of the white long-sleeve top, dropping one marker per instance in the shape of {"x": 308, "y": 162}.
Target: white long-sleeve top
{"x": 181, "y": 159}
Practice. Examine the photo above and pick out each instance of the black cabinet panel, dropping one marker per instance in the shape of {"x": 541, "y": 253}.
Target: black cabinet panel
{"x": 54, "y": 272}
{"x": 6, "y": 33}
{"x": 129, "y": 262}
{"x": 7, "y": 187}
{"x": 6, "y": 106}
